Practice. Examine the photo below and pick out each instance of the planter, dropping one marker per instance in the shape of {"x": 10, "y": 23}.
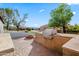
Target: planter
{"x": 53, "y": 44}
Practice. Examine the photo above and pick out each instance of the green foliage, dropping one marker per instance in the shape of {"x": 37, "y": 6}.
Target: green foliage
{"x": 2, "y": 12}
{"x": 74, "y": 28}
{"x": 29, "y": 29}
{"x": 12, "y": 17}
{"x": 61, "y": 16}
{"x": 7, "y": 14}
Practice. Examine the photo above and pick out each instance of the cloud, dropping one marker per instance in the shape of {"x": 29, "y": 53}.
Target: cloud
{"x": 74, "y": 12}
{"x": 42, "y": 10}
{"x": 69, "y": 3}
{"x": 72, "y": 3}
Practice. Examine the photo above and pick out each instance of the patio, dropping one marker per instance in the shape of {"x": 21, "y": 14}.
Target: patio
{"x": 39, "y": 46}
{"x": 30, "y": 48}
{"x": 22, "y": 47}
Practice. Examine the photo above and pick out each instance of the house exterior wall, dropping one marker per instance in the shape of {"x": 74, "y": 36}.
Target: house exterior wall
{"x": 1, "y": 27}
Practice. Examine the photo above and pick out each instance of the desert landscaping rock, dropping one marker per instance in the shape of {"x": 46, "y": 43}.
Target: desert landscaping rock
{"x": 49, "y": 33}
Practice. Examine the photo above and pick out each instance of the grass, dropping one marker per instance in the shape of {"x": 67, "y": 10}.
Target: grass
{"x": 31, "y": 32}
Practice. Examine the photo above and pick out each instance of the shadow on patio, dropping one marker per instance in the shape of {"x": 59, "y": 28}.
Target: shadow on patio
{"x": 39, "y": 50}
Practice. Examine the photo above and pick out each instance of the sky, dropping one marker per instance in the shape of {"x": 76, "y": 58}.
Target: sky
{"x": 39, "y": 13}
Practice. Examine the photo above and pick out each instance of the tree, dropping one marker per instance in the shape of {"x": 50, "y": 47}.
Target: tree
{"x": 7, "y": 15}
{"x": 2, "y": 13}
{"x": 17, "y": 20}
{"x": 60, "y": 17}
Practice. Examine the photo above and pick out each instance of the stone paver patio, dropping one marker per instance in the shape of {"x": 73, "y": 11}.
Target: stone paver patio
{"x": 22, "y": 47}
{"x": 30, "y": 48}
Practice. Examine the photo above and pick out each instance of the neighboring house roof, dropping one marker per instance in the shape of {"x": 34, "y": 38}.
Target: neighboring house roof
{"x": 1, "y": 19}
{"x": 43, "y": 27}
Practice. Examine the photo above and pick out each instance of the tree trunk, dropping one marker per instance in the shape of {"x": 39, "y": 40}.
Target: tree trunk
{"x": 7, "y": 26}
{"x": 64, "y": 29}
{"x": 17, "y": 28}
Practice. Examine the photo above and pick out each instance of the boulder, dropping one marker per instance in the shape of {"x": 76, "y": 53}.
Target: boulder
{"x": 49, "y": 33}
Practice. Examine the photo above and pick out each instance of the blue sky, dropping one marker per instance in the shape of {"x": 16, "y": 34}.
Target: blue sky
{"x": 39, "y": 13}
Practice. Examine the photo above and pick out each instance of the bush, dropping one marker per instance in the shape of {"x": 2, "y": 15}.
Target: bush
{"x": 73, "y": 29}
{"x": 29, "y": 29}
{"x": 26, "y": 30}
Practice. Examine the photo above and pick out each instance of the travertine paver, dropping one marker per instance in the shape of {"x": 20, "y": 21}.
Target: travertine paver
{"x": 6, "y": 44}
{"x": 67, "y": 35}
{"x": 71, "y": 47}
{"x": 22, "y": 47}
{"x": 31, "y": 48}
